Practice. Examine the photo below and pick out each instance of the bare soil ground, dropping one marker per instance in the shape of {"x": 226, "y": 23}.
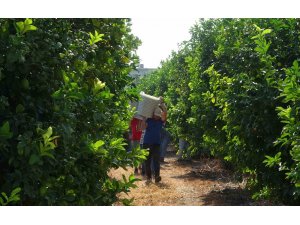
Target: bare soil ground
{"x": 203, "y": 182}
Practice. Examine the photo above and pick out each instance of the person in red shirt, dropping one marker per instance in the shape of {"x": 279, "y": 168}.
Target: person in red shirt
{"x": 136, "y": 134}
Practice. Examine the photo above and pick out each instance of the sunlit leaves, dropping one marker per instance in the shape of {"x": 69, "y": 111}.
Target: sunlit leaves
{"x": 98, "y": 85}
{"x": 14, "y": 197}
{"x": 66, "y": 79}
{"x": 290, "y": 136}
{"x": 272, "y": 161}
{"x": 94, "y": 38}
{"x": 244, "y": 104}
{"x": 23, "y": 27}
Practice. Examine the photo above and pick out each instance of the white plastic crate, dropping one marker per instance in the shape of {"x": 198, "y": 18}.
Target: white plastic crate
{"x": 147, "y": 105}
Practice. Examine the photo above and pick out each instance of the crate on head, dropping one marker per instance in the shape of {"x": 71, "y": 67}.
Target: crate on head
{"x": 147, "y": 105}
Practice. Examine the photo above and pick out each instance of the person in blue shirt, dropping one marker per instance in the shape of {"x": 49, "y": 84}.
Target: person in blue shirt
{"x": 152, "y": 141}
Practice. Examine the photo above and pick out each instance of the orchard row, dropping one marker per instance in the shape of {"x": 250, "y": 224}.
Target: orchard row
{"x": 233, "y": 91}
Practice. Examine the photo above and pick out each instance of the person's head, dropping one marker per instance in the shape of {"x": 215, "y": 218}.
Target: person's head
{"x": 157, "y": 113}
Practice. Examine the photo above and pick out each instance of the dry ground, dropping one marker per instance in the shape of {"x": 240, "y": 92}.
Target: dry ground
{"x": 203, "y": 182}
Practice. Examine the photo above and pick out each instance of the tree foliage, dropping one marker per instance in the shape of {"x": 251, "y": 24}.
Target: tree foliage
{"x": 232, "y": 90}
{"x": 64, "y": 92}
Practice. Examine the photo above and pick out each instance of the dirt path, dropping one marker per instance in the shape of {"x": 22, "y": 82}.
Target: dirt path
{"x": 190, "y": 183}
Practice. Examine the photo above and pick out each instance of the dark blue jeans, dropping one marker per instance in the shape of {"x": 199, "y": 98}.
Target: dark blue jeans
{"x": 154, "y": 155}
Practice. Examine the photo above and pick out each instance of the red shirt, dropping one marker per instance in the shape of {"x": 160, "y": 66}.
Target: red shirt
{"x": 136, "y": 134}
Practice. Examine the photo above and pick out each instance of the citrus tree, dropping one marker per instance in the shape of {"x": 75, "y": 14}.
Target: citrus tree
{"x": 232, "y": 90}
{"x": 64, "y": 93}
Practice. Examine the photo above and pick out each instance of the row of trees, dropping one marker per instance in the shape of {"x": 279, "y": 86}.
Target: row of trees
{"x": 64, "y": 93}
{"x": 233, "y": 91}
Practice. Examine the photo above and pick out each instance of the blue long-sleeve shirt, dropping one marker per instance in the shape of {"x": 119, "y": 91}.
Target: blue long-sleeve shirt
{"x": 153, "y": 131}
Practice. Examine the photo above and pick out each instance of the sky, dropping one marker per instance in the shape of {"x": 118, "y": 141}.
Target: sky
{"x": 160, "y": 24}
{"x": 159, "y": 37}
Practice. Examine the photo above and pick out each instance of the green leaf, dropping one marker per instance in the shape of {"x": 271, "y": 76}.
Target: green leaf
{"x": 74, "y": 85}
{"x": 65, "y": 77}
{"x": 267, "y": 31}
{"x": 76, "y": 95}
{"x": 255, "y": 37}
{"x": 98, "y": 85}
{"x": 14, "y": 196}
{"x": 28, "y": 25}
{"x": 32, "y": 27}
{"x": 5, "y": 196}
{"x": 213, "y": 100}
{"x": 272, "y": 161}
{"x": 295, "y": 65}
{"x": 48, "y": 133}
{"x": 95, "y": 38}
{"x": 49, "y": 145}
{"x": 28, "y": 21}
{"x": 20, "y": 27}
{"x": 20, "y": 108}
{"x": 257, "y": 27}
{"x": 34, "y": 159}
{"x": 23, "y": 27}
{"x": 4, "y": 131}
{"x": 132, "y": 178}
{"x": 127, "y": 202}
{"x": 57, "y": 94}
{"x": 48, "y": 154}
{"x": 15, "y": 191}
{"x": 98, "y": 144}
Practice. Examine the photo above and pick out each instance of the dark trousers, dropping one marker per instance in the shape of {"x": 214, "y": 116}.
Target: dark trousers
{"x": 154, "y": 154}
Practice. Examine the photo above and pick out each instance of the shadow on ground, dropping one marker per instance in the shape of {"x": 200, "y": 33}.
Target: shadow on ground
{"x": 203, "y": 169}
{"x": 162, "y": 185}
{"x": 227, "y": 197}
{"x": 204, "y": 175}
